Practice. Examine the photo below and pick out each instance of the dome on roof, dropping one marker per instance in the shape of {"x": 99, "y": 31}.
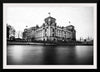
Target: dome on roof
{"x": 50, "y": 19}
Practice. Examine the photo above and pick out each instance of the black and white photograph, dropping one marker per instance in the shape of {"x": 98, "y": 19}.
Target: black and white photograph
{"x": 49, "y": 35}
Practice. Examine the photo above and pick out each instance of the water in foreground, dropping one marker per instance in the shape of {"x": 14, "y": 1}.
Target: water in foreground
{"x": 49, "y": 55}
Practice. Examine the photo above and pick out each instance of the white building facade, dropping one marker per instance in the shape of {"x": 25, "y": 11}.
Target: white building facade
{"x": 49, "y": 31}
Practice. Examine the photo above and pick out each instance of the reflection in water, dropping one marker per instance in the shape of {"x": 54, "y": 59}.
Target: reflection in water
{"x": 18, "y": 54}
{"x": 66, "y": 55}
{"x": 84, "y": 54}
{"x": 49, "y": 55}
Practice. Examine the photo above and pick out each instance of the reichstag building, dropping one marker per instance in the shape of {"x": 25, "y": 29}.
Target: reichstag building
{"x": 49, "y": 31}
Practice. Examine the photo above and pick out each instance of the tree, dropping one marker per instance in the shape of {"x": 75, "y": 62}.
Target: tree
{"x": 8, "y": 32}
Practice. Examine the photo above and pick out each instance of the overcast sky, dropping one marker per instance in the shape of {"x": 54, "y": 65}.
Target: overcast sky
{"x": 82, "y": 17}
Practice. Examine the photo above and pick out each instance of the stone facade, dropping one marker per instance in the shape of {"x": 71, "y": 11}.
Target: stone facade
{"x": 49, "y": 31}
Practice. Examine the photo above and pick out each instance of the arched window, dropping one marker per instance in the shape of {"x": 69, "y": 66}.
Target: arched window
{"x": 53, "y": 34}
{"x": 53, "y": 30}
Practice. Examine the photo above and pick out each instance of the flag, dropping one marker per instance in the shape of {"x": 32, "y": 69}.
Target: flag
{"x": 49, "y": 13}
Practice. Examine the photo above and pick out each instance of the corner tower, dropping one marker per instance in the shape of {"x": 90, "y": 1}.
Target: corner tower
{"x": 50, "y": 26}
